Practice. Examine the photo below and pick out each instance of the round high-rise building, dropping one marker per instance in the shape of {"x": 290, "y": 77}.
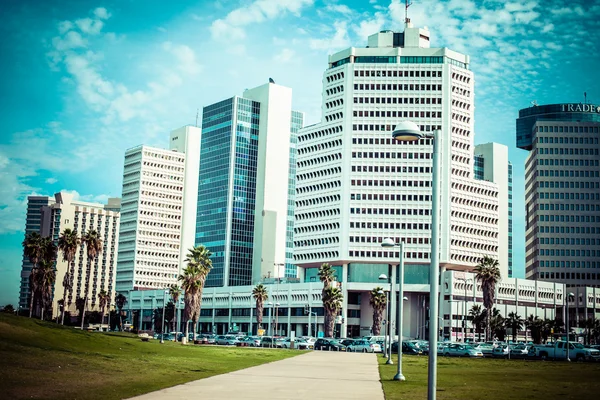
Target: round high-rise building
{"x": 562, "y": 197}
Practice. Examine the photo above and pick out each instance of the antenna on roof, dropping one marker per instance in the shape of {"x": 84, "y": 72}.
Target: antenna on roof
{"x": 406, "y": 19}
{"x": 534, "y": 103}
{"x": 584, "y": 97}
{"x": 197, "y": 112}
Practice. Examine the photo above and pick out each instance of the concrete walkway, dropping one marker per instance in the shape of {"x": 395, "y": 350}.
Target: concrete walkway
{"x": 314, "y": 375}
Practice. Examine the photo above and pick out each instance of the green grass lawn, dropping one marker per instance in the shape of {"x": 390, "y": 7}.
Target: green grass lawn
{"x": 491, "y": 379}
{"x": 43, "y": 360}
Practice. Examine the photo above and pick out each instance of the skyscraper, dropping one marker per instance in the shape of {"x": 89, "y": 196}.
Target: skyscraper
{"x": 32, "y": 224}
{"x": 88, "y": 278}
{"x": 159, "y": 212}
{"x": 562, "y": 196}
{"x": 357, "y": 186}
{"x": 245, "y": 206}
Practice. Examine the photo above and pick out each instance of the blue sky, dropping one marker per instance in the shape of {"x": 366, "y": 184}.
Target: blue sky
{"x": 85, "y": 80}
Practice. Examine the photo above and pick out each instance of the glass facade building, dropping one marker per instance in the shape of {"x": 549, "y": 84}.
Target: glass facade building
{"x": 227, "y": 189}
{"x": 296, "y": 124}
{"x": 510, "y": 220}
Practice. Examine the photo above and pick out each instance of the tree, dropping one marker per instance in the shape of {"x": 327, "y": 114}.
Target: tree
{"x": 192, "y": 280}
{"x": 497, "y": 325}
{"x": 378, "y": 301}
{"x": 93, "y": 244}
{"x": 535, "y": 326}
{"x": 120, "y": 301}
{"x": 175, "y": 294}
{"x": 515, "y": 323}
{"x": 332, "y": 304}
{"x": 477, "y": 317}
{"x": 260, "y": 295}
{"x": 46, "y": 277}
{"x": 33, "y": 250}
{"x": 327, "y": 276}
{"x": 487, "y": 273}
{"x": 104, "y": 302}
{"x": 68, "y": 243}
{"x": 9, "y": 309}
{"x": 80, "y": 305}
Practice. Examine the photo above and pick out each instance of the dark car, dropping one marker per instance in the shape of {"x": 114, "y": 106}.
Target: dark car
{"x": 347, "y": 342}
{"x": 407, "y": 348}
{"x": 329, "y": 345}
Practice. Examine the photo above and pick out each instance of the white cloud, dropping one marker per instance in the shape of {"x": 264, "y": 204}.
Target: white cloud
{"x": 92, "y": 198}
{"x": 548, "y": 28}
{"x": 231, "y": 27}
{"x": 101, "y": 13}
{"x": 368, "y": 27}
{"x": 51, "y": 181}
{"x": 185, "y": 57}
{"x": 286, "y": 55}
{"x": 338, "y": 8}
{"x": 339, "y": 39}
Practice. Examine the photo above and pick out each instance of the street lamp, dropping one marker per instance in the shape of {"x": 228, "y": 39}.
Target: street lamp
{"x": 162, "y": 334}
{"x": 270, "y": 317}
{"x": 387, "y": 348}
{"x": 569, "y": 295}
{"x": 388, "y": 242}
{"x": 409, "y": 131}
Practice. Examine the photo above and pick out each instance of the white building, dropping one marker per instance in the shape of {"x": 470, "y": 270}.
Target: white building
{"x": 158, "y": 212}
{"x": 88, "y": 279}
{"x": 357, "y": 186}
{"x": 227, "y": 309}
{"x": 246, "y": 185}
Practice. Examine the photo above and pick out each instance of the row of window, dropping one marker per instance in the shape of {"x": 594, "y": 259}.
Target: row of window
{"x": 319, "y": 174}
{"x": 569, "y": 229}
{"x": 320, "y": 160}
{"x": 398, "y": 73}
{"x": 318, "y": 214}
{"x": 389, "y": 128}
{"x": 567, "y": 140}
{"x": 335, "y": 77}
{"x": 397, "y": 87}
{"x": 316, "y": 228}
{"x": 334, "y": 90}
{"x": 334, "y": 103}
{"x": 567, "y": 151}
{"x": 569, "y": 275}
{"x": 318, "y": 200}
{"x": 568, "y": 162}
{"x": 317, "y": 242}
{"x": 322, "y": 186}
{"x": 568, "y": 253}
{"x": 567, "y": 185}
{"x": 568, "y": 129}
{"x": 568, "y": 173}
{"x": 570, "y": 241}
{"x": 403, "y": 155}
{"x": 568, "y": 264}
{"x": 388, "y": 211}
{"x": 320, "y": 133}
{"x": 568, "y": 218}
{"x": 568, "y": 196}
{"x": 390, "y": 183}
{"x": 392, "y": 197}
{"x": 390, "y": 168}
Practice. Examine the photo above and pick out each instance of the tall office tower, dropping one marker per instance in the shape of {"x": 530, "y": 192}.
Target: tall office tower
{"x": 562, "y": 200}
{"x": 87, "y": 278}
{"x": 244, "y": 202}
{"x": 32, "y": 224}
{"x": 151, "y": 219}
{"x": 357, "y": 186}
{"x": 187, "y": 140}
{"x": 491, "y": 164}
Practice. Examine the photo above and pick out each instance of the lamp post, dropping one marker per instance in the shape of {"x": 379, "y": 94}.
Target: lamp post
{"x": 409, "y": 131}
{"x": 162, "y": 331}
{"x": 270, "y": 317}
{"x": 387, "y": 348}
{"x": 388, "y": 242}
{"x": 277, "y": 319}
{"x": 569, "y": 295}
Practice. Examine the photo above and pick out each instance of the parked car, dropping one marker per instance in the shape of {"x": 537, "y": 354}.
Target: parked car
{"x": 485, "y": 348}
{"x": 461, "y": 350}
{"x": 306, "y": 343}
{"x": 227, "y": 340}
{"x": 558, "y": 351}
{"x": 268, "y": 341}
{"x": 347, "y": 342}
{"x": 363, "y": 346}
{"x": 210, "y": 339}
{"x": 407, "y": 348}
{"x": 329, "y": 344}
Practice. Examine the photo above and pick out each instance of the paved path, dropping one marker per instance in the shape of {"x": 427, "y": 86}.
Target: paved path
{"x": 314, "y": 375}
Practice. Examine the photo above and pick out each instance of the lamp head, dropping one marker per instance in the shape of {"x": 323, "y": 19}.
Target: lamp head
{"x": 380, "y": 292}
{"x": 571, "y": 294}
{"x": 388, "y": 242}
{"x": 383, "y": 277}
{"x": 407, "y": 131}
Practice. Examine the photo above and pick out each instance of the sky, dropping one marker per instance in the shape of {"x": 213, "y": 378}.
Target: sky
{"x": 85, "y": 80}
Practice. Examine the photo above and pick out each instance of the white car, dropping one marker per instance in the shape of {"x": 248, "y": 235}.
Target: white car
{"x": 228, "y": 340}
{"x": 462, "y": 350}
{"x": 364, "y": 346}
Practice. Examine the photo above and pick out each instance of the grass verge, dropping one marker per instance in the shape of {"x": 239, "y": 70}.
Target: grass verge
{"x": 491, "y": 379}
{"x": 43, "y": 360}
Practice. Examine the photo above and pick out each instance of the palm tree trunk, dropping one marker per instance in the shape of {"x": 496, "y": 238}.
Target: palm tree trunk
{"x": 62, "y": 318}
{"x": 83, "y": 312}
{"x": 31, "y": 304}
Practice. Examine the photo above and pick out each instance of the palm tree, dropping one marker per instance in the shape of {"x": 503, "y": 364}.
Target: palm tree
{"x": 326, "y": 275}
{"x": 378, "y": 301}
{"x": 175, "y": 294}
{"x": 93, "y": 244}
{"x": 477, "y": 317}
{"x": 120, "y": 301}
{"x": 332, "y": 303}
{"x": 46, "y": 277}
{"x": 497, "y": 324}
{"x": 535, "y": 325}
{"x": 192, "y": 280}
{"x": 80, "y": 306}
{"x": 68, "y": 243}
{"x": 32, "y": 247}
{"x": 104, "y": 301}
{"x": 260, "y": 295}
{"x": 515, "y": 323}
{"x": 487, "y": 273}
